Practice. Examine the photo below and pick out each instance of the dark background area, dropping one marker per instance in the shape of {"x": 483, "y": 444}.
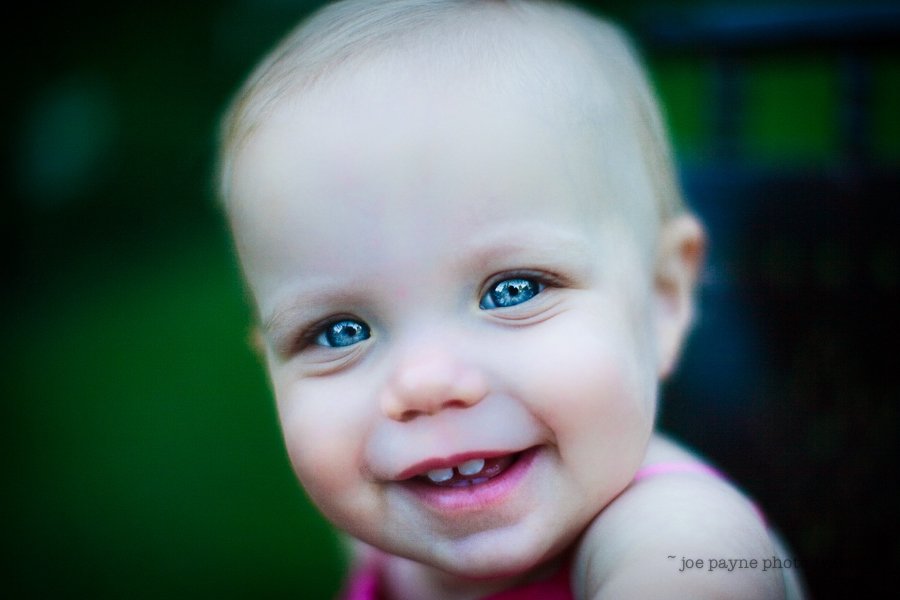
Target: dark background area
{"x": 143, "y": 454}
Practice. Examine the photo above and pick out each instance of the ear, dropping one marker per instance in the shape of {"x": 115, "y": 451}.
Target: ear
{"x": 679, "y": 260}
{"x": 257, "y": 343}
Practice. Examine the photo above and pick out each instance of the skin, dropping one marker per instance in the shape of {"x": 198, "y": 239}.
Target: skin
{"x": 400, "y": 206}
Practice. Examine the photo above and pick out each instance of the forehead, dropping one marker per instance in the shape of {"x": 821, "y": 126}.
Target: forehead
{"x": 398, "y": 167}
{"x": 399, "y": 143}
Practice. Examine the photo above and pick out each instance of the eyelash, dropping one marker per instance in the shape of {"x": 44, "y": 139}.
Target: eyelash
{"x": 543, "y": 280}
{"x": 539, "y": 280}
{"x": 309, "y": 335}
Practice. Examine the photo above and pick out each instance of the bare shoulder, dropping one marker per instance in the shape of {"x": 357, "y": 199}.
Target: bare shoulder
{"x": 682, "y": 533}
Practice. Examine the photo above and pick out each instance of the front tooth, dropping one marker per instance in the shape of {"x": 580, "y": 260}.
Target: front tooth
{"x": 471, "y": 467}
{"x": 440, "y": 475}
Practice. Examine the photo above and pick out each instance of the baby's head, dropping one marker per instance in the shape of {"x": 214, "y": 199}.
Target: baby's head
{"x": 471, "y": 266}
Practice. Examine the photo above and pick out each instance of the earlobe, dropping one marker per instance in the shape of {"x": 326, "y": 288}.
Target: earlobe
{"x": 256, "y": 342}
{"x": 679, "y": 260}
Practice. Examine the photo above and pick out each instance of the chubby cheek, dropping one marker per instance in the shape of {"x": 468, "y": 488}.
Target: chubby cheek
{"x": 322, "y": 434}
{"x": 597, "y": 396}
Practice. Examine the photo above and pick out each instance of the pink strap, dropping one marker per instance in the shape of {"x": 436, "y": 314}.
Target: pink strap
{"x": 677, "y": 467}
{"x": 666, "y": 468}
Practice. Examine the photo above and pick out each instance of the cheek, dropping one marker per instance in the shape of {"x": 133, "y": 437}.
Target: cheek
{"x": 587, "y": 364}
{"x": 592, "y": 386}
{"x": 593, "y": 391}
{"x": 322, "y": 434}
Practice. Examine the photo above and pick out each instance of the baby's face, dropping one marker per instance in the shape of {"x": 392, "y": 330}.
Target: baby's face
{"x": 459, "y": 327}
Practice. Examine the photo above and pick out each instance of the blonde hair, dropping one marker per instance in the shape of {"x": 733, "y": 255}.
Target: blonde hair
{"x": 597, "y": 61}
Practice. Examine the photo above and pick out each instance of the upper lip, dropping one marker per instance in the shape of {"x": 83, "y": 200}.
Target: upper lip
{"x": 446, "y": 462}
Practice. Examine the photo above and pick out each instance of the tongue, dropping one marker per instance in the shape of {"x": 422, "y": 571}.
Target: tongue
{"x": 492, "y": 468}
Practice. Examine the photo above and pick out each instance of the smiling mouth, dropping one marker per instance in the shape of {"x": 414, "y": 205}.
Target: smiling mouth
{"x": 471, "y": 472}
{"x": 471, "y": 482}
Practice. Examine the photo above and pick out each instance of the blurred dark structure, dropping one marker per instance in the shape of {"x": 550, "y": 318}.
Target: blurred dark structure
{"x": 788, "y": 381}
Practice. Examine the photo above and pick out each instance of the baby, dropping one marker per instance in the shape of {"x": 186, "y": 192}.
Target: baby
{"x": 461, "y": 230}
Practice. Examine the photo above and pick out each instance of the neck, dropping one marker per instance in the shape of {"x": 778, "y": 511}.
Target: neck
{"x": 405, "y": 579}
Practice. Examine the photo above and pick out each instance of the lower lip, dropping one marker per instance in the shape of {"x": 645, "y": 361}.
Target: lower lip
{"x": 475, "y": 497}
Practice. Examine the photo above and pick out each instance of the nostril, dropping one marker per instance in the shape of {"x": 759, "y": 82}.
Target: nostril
{"x": 456, "y": 404}
{"x": 411, "y": 413}
{"x": 408, "y": 415}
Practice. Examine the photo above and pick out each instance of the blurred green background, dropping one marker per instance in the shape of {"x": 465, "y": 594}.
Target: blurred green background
{"x": 144, "y": 453}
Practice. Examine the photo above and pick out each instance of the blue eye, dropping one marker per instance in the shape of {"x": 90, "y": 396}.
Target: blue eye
{"x": 510, "y": 292}
{"x": 343, "y": 333}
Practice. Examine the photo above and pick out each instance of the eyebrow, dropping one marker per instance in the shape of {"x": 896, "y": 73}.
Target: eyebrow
{"x": 293, "y": 312}
{"x": 538, "y": 246}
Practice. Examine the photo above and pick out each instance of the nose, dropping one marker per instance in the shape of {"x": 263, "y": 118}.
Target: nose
{"x": 426, "y": 383}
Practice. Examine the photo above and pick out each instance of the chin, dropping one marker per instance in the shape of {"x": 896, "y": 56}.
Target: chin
{"x": 493, "y": 559}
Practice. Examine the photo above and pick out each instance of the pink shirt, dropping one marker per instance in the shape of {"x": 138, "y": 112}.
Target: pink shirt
{"x": 364, "y": 585}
